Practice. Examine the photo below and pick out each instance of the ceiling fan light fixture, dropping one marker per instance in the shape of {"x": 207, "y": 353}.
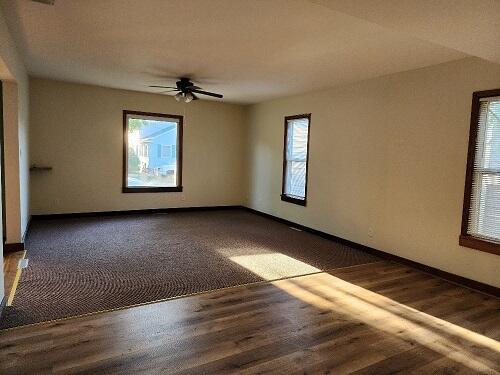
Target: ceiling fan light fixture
{"x": 188, "y": 97}
{"x": 179, "y": 96}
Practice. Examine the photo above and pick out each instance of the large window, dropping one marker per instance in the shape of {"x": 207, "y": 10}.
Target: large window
{"x": 295, "y": 159}
{"x": 481, "y": 215}
{"x": 152, "y": 152}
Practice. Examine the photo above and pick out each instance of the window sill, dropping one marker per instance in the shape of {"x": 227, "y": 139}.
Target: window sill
{"x": 173, "y": 189}
{"x": 479, "y": 244}
{"x": 300, "y": 202}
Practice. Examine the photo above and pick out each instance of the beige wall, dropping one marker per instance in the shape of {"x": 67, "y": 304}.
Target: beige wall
{"x": 11, "y": 154}
{"x": 78, "y": 130}
{"x": 387, "y": 156}
{"x": 16, "y": 136}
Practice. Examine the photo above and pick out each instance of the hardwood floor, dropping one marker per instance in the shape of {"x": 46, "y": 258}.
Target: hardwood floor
{"x": 369, "y": 319}
{"x": 11, "y": 273}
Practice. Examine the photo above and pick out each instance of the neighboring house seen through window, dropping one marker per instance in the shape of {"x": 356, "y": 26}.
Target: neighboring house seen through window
{"x": 295, "y": 159}
{"x": 166, "y": 151}
{"x": 143, "y": 150}
{"x": 152, "y": 152}
{"x": 481, "y": 213}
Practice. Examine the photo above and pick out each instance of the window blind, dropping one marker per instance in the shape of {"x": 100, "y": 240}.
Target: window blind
{"x": 484, "y": 210}
{"x": 296, "y": 157}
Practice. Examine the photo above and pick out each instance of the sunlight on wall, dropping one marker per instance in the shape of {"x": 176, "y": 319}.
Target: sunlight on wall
{"x": 273, "y": 266}
{"x": 324, "y": 291}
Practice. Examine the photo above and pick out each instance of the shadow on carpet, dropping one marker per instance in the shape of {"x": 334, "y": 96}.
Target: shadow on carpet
{"x": 84, "y": 265}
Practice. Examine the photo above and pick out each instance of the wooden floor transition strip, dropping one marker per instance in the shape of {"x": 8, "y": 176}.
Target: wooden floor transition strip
{"x": 12, "y": 273}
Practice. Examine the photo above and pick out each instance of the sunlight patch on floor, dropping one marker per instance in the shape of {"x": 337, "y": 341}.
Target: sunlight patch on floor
{"x": 274, "y": 266}
{"x": 325, "y": 291}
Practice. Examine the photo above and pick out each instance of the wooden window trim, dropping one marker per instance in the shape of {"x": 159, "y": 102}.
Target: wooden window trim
{"x": 178, "y": 188}
{"x": 285, "y": 197}
{"x": 466, "y": 239}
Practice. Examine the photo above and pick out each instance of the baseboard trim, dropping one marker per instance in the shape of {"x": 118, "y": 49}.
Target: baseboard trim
{"x": 133, "y": 212}
{"x": 460, "y": 280}
{"x": 13, "y": 247}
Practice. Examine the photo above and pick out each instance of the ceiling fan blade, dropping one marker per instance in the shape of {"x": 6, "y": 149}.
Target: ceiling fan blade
{"x": 207, "y": 93}
{"x": 163, "y": 92}
{"x": 164, "y": 87}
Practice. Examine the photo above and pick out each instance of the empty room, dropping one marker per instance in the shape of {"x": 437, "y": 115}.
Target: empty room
{"x": 250, "y": 186}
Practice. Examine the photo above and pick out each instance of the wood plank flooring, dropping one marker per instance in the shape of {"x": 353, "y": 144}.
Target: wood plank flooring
{"x": 369, "y": 319}
{"x": 11, "y": 272}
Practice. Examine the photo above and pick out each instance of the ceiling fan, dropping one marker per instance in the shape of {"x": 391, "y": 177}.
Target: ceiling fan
{"x": 186, "y": 90}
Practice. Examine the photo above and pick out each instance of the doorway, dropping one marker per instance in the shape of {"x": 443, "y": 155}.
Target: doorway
{"x": 2, "y": 166}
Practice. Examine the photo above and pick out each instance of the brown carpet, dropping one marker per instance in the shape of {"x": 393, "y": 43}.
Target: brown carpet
{"x": 84, "y": 265}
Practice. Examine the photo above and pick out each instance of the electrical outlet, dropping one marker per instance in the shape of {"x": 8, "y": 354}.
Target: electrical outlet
{"x": 370, "y": 232}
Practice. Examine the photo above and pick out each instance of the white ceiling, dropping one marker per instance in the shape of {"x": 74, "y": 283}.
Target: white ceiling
{"x": 248, "y": 50}
{"x": 469, "y": 26}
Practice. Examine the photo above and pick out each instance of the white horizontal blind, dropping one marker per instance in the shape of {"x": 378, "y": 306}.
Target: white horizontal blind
{"x": 484, "y": 215}
{"x": 296, "y": 157}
